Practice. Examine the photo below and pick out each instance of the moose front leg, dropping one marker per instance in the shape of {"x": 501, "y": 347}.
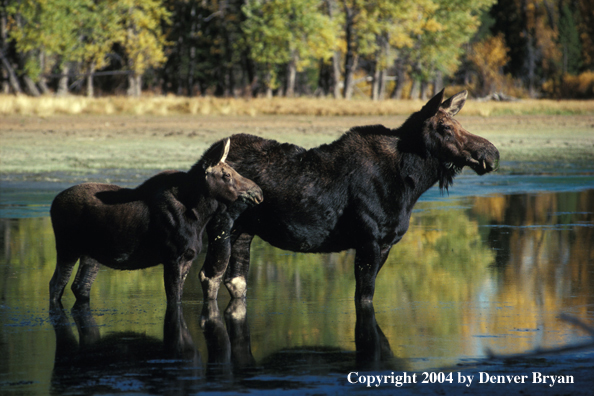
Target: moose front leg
{"x": 239, "y": 265}
{"x": 217, "y": 255}
{"x": 174, "y": 274}
{"x": 369, "y": 259}
{"x": 221, "y": 235}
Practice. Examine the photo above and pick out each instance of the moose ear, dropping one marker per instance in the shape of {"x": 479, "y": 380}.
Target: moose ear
{"x": 454, "y": 104}
{"x": 217, "y": 153}
{"x": 226, "y": 150}
{"x": 432, "y": 107}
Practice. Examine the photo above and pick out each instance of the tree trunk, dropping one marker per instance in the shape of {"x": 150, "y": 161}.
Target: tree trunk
{"x": 291, "y": 76}
{"x": 375, "y": 88}
{"x": 134, "y": 85}
{"x": 30, "y": 85}
{"x": 6, "y": 74}
{"x": 335, "y": 59}
{"x": 382, "y": 84}
{"x": 336, "y": 74}
{"x": 424, "y": 89}
{"x": 192, "y": 65}
{"x": 90, "y": 90}
{"x": 12, "y": 78}
{"x": 191, "y": 70}
{"x": 414, "y": 91}
{"x": 268, "y": 83}
{"x": 138, "y": 85}
{"x": 400, "y": 77}
{"x": 438, "y": 82}
{"x": 350, "y": 61}
{"x": 42, "y": 84}
{"x": 63, "y": 82}
{"x": 379, "y": 80}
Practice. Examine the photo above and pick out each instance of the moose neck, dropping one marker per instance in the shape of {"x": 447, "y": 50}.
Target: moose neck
{"x": 420, "y": 170}
{"x": 193, "y": 194}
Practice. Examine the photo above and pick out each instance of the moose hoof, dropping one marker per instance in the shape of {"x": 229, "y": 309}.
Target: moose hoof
{"x": 237, "y": 287}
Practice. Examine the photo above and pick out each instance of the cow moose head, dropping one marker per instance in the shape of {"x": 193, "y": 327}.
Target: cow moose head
{"x": 454, "y": 147}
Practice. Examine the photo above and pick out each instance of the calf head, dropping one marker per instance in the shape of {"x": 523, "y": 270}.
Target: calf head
{"x": 222, "y": 182}
{"x": 454, "y": 147}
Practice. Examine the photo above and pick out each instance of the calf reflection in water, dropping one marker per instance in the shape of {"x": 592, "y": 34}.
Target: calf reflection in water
{"x": 159, "y": 222}
{"x": 123, "y": 361}
{"x": 136, "y": 362}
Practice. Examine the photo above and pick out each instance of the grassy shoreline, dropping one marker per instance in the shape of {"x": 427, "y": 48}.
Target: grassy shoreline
{"x": 32, "y": 146}
{"x": 173, "y": 105}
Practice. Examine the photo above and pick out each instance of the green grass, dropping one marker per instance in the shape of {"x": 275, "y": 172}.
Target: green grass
{"x": 33, "y": 146}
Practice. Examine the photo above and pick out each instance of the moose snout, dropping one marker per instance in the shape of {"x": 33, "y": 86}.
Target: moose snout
{"x": 254, "y": 195}
{"x": 488, "y": 161}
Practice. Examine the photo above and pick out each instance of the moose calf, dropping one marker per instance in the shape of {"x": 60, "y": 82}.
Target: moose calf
{"x": 159, "y": 222}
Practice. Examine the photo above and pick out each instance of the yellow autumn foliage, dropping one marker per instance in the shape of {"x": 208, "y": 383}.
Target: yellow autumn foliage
{"x": 488, "y": 57}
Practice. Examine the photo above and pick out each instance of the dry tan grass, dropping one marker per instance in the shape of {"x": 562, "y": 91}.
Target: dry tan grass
{"x": 172, "y": 105}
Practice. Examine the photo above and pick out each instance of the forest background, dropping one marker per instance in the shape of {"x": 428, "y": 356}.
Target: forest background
{"x": 399, "y": 49}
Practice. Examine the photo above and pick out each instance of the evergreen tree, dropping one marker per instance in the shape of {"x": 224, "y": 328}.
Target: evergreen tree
{"x": 569, "y": 41}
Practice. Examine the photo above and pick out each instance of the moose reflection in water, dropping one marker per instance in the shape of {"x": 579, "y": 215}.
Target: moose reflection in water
{"x": 124, "y": 360}
{"x": 355, "y": 193}
{"x": 134, "y": 361}
{"x": 159, "y": 222}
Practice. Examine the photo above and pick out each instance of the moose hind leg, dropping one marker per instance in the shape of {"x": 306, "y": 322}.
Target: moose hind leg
{"x": 64, "y": 267}
{"x": 85, "y": 276}
{"x": 239, "y": 265}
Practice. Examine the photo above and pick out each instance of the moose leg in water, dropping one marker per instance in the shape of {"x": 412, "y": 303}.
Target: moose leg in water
{"x": 174, "y": 274}
{"x": 373, "y": 348}
{"x": 369, "y": 259}
{"x": 85, "y": 276}
{"x": 221, "y": 238}
{"x": 239, "y": 334}
{"x": 239, "y": 266}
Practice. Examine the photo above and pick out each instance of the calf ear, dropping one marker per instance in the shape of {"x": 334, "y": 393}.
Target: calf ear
{"x": 217, "y": 153}
{"x": 432, "y": 107}
{"x": 226, "y": 152}
{"x": 454, "y": 104}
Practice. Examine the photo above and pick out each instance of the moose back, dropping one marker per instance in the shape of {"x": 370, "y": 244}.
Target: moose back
{"x": 355, "y": 193}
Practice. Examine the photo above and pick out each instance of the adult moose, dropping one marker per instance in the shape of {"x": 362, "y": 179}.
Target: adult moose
{"x": 159, "y": 222}
{"x": 355, "y": 193}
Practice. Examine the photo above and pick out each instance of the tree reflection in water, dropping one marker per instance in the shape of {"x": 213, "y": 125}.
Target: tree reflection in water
{"x": 472, "y": 273}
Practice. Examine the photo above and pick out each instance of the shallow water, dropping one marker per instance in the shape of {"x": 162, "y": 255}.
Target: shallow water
{"x": 489, "y": 267}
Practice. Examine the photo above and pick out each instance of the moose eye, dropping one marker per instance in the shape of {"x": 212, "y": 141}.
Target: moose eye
{"x": 447, "y": 131}
{"x": 226, "y": 176}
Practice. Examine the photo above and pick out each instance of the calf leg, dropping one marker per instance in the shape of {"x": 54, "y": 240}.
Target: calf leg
{"x": 85, "y": 276}
{"x": 239, "y": 265}
{"x": 174, "y": 276}
{"x": 369, "y": 259}
{"x": 64, "y": 267}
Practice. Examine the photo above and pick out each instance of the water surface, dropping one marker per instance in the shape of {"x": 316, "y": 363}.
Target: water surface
{"x": 489, "y": 267}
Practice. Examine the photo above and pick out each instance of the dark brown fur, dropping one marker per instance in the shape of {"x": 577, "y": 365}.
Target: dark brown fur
{"x": 159, "y": 222}
{"x": 355, "y": 193}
